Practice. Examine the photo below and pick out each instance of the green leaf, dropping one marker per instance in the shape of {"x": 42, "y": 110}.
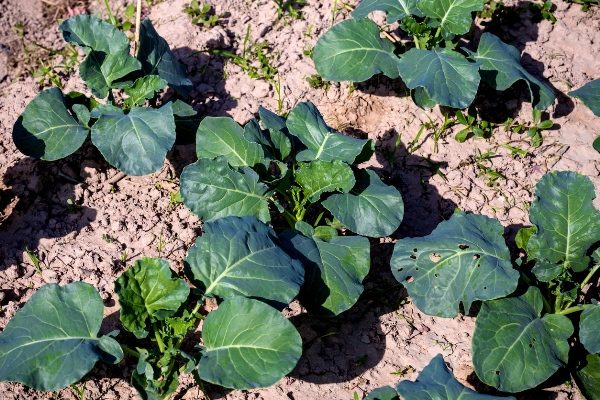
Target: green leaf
{"x": 463, "y": 260}
{"x": 447, "y": 76}
{"x": 279, "y": 135}
{"x": 212, "y": 189}
{"x": 100, "y": 70}
{"x": 372, "y": 208}
{"x": 523, "y": 235}
{"x": 144, "y": 88}
{"x": 247, "y": 344}
{"x": 323, "y": 143}
{"x": 318, "y": 177}
{"x": 353, "y": 51}
{"x": 501, "y": 68}
{"x": 135, "y": 143}
{"x": 567, "y": 224}
{"x": 46, "y": 129}
{"x": 157, "y": 58}
{"x": 589, "y": 94}
{"x": 220, "y": 136}
{"x": 436, "y": 381}
{"x": 589, "y": 377}
{"x": 82, "y": 113}
{"x": 92, "y": 33}
{"x": 510, "y": 337}
{"x": 240, "y": 257}
{"x": 383, "y": 393}
{"x": 453, "y": 16}
{"x": 149, "y": 292}
{"x": 396, "y": 10}
{"x": 589, "y": 323}
{"x": 334, "y": 269}
{"x": 52, "y": 342}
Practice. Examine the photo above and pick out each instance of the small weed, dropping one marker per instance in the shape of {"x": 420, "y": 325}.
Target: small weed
{"x": 483, "y": 162}
{"x": 107, "y": 238}
{"x": 316, "y": 81}
{"x": 545, "y": 10}
{"x": 128, "y": 20}
{"x": 175, "y": 199}
{"x": 534, "y": 129}
{"x": 202, "y": 13}
{"x": 160, "y": 247}
{"x": 515, "y": 151}
{"x": 404, "y": 371}
{"x": 289, "y": 8}
{"x": 490, "y": 8}
{"x": 79, "y": 391}
{"x": 255, "y": 60}
{"x": 308, "y": 51}
{"x": 472, "y": 127}
{"x": 439, "y": 132}
{"x": 123, "y": 257}
{"x": 34, "y": 259}
{"x": 72, "y": 206}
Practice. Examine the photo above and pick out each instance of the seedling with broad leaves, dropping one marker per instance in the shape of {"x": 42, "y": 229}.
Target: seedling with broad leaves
{"x": 304, "y": 178}
{"x": 433, "y": 65}
{"x": 246, "y": 341}
{"x": 530, "y": 306}
{"x": 131, "y": 137}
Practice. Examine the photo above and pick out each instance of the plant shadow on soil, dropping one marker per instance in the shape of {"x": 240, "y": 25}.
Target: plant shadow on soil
{"x": 48, "y": 205}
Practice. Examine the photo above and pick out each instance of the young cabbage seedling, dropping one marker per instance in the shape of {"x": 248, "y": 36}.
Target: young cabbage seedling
{"x": 354, "y": 50}
{"x": 133, "y": 138}
{"x": 304, "y": 178}
{"x": 529, "y": 307}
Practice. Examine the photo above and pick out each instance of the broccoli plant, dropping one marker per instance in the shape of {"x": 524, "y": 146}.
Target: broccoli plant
{"x": 432, "y": 65}
{"x": 436, "y": 381}
{"x": 133, "y": 138}
{"x": 521, "y": 340}
{"x": 53, "y": 341}
{"x": 304, "y": 178}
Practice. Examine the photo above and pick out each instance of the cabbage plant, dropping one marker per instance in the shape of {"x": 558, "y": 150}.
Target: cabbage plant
{"x": 432, "y": 64}
{"x": 131, "y": 137}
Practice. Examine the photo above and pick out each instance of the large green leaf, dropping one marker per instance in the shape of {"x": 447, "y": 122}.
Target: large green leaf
{"x": 436, "y": 381}
{"x": 567, "y": 224}
{"x": 52, "y": 342}
{"x": 135, "y": 143}
{"x": 157, "y": 58}
{"x": 148, "y": 291}
{"x": 247, "y": 344}
{"x": 453, "y": 16}
{"x": 590, "y": 95}
{"x": 323, "y": 143}
{"x": 318, "y": 177}
{"x": 501, "y": 68}
{"x": 334, "y": 269}
{"x": 589, "y": 323}
{"x": 220, "y": 136}
{"x": 92, "y": 33}
{"x": 447, "y": 77}
{"x": 463, "y": 260}
{"x": 589, "y": 377}
{"x": 46, "y": 129}
{"x": 353, "y": 51}
{"x": 107, "y": 50}
{"x": 278, "y": 132}
{"x": 213, "y": 189}
{"x": 511, "y": 338}
{"x": 396, "y": 10}
{"x": 372, "y": 208}
{"x": 240, "y": 256}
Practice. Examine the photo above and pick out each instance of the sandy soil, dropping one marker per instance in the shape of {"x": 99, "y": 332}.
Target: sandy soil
{"x": 383, "y": 338}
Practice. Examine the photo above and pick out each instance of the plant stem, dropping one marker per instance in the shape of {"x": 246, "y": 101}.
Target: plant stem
{"x": 159, "y": 341}
{"x": 575, "y": 309}
{"x": 138, "y": 22}
{"x": 589, "y": 276}
{"x": 130, "y": 351}
{"x": 111, "y": 16}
